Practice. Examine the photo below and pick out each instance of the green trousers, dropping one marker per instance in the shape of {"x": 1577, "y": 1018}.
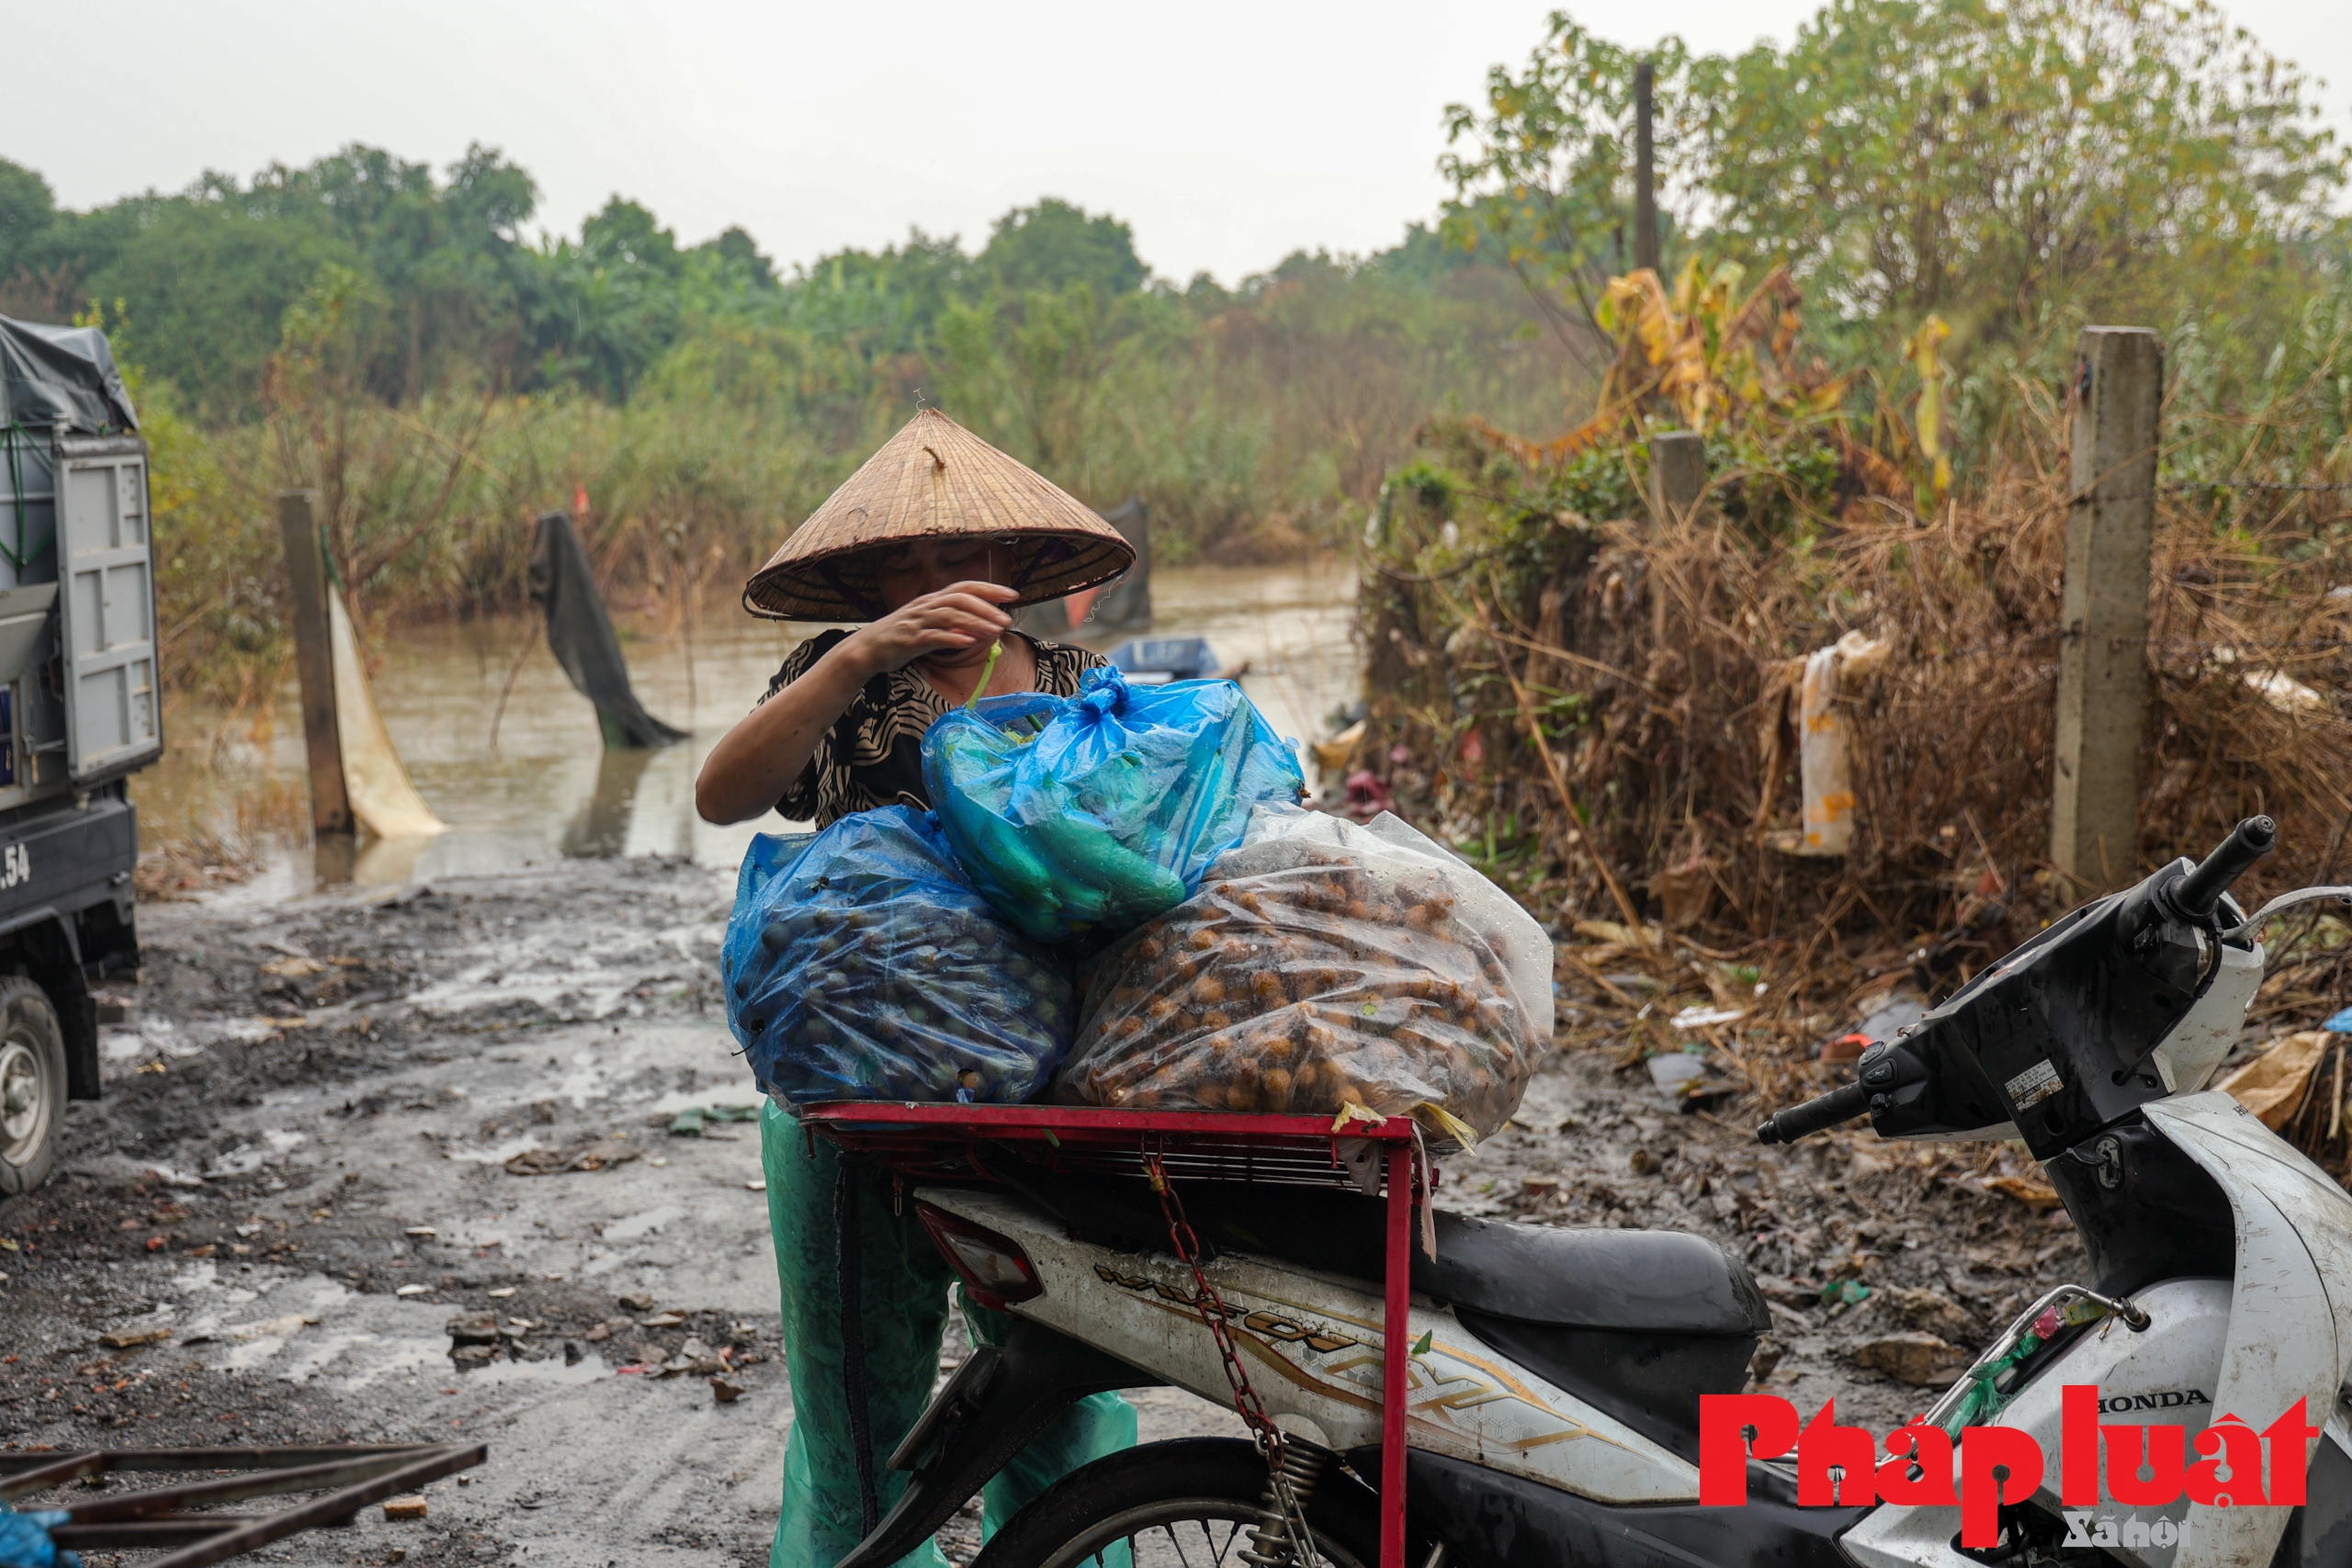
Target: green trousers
{"x": 903, "y": 1302}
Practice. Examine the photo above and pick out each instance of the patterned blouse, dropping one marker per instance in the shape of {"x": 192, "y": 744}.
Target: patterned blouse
{"x": 872, "y": 757}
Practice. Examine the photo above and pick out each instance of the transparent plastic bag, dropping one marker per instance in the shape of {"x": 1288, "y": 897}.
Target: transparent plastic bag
{"x": 860, "y": 963}
{"x": 1080, "y": 816}
{"x": 1322, "y": 963}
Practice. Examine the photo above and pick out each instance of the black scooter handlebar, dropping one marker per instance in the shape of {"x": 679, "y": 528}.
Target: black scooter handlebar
{"x": 1822, "y": 1111}
{"x": 2199, "y": 894}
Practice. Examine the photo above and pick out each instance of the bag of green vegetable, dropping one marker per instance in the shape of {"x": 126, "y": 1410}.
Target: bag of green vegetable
{"x": 1322, "y": 965}
{"x": 1080, "y": 816}
{"x": 860, "y": 963}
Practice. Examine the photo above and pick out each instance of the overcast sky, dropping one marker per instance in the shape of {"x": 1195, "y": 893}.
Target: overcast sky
{"x": 1228, "y": 133}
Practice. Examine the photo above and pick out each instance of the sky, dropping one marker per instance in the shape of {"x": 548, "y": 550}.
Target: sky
{"x": 1227, "y": 132}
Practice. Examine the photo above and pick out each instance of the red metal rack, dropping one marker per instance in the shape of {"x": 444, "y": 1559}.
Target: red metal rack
{"x": 941, "y": 1143}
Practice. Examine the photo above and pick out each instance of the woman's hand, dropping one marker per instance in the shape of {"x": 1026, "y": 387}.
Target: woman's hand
{"x": 961, "y": 616}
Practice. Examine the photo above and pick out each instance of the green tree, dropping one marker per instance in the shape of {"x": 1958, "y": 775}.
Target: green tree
{"x": 27, "y": 206}
{"x": 1054, "y": 244}
{"x": 206, "y": 286}
{"x": 1980, "y": 159}
{"x": 1543, "y": 170}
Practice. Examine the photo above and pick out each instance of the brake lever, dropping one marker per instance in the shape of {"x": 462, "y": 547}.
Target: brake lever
{"x": 2284, "y": 902}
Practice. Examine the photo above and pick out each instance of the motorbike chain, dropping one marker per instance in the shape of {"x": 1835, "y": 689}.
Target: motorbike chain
{"x": 1252, "y": 1410}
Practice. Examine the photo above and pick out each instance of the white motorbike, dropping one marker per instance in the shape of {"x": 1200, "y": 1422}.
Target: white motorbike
{"x": 1555, "y": 1375}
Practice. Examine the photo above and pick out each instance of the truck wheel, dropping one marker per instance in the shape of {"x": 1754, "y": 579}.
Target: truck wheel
{"x": 32, "y": 1085}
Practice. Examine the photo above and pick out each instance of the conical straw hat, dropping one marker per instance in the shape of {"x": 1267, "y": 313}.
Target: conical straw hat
{"x": 931, "y": 480}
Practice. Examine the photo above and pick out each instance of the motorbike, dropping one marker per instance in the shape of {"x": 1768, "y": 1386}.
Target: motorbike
{"x": 1557, "y": 1374}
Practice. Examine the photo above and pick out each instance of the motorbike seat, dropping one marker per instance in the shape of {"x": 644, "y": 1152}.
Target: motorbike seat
{"x": 1639, "y": 1324}
{"x": 1656, "y": 1281}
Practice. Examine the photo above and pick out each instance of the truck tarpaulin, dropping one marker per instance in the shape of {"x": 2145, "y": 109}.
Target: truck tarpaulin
{"x": 61, "y": 375}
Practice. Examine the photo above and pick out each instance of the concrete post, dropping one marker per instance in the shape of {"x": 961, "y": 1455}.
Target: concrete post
{"x": 307, "y": 610}
{"x": 1644, "y": 169}
{"x": 2103, "y": 618}
{"x": 1678, "y": 474}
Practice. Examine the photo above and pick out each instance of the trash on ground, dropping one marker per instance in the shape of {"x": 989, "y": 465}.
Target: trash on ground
{"x": 724, "y": 1391}
{"x": 124, "y": 1338}
{"x": 2031, "y": 1190}
{"x": 409, "y": 1507}
{"x": 1918, "y": 1358}
{"x": 1707, "y": 1017}
{"x": 689, "y": 1122}
{"x": 2340, "y": 1024}
{"x": 635, "y": 1300}
{"x": 862, "y": 963}
{"x": 1322, "y": 965}
{"x": 1684, "y": 1078}
{"x": 1825, "y": 761}
{"x": 1082, "y": 816}
{"x": 601, "y": 1154}
{"x": 664, "y": 1320}
{"x": 473, "y": 1329}
{"x": 1932, "y": 1312}
{"x": 412, "y": 1290}
{"x": 2273, "y": 1085}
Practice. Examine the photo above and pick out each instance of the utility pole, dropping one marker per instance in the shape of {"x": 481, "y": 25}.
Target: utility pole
{"x": 313, "y": 662}
{"x": 1644, "y": 170}
{"x": 2103, "y": 615}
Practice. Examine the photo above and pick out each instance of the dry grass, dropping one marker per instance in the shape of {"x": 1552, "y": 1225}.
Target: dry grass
{"x": 1656, "y": 662}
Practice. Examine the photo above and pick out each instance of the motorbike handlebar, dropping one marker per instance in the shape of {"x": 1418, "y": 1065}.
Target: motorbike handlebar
{"x": 2199, "y": 894}
{"x": 1821, "y": 1112}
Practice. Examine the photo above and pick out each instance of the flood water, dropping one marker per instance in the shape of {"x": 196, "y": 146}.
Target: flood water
{"x": 544, "y": 787}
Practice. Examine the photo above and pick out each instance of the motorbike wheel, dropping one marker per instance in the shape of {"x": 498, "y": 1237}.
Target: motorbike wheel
{"x": 1189, "y": 1503}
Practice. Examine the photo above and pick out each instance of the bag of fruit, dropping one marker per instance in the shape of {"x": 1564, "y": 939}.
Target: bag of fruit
{"x": 1080, "y": 816}
{"x": 1322, "y": 965}
{"x": 860, "y": 963}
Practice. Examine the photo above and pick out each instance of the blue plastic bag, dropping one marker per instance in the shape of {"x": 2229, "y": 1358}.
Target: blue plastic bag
{"x": 1084, "y": 817}
{"x": 860, "y": 965}
{"x": 25, "y": 1542}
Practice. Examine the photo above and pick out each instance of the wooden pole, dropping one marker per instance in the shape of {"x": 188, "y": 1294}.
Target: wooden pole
{"x": 307, "y": 609}
{"x": 1678, "y": 474}
{"x": 1644, "y": 170}
{"x": 2103, "y": 617}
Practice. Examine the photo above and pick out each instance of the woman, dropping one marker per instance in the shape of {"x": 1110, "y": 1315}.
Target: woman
{"x": 934, "y": 543}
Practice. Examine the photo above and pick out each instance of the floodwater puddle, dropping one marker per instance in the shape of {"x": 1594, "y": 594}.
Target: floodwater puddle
{"x": 520, "y": 775}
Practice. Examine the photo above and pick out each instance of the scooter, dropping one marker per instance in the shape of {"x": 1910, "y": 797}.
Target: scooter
{"x": 1555, "y": 1375}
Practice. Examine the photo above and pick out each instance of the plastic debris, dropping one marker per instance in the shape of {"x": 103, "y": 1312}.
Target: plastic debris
{"x": 1824, "y": 765}
{"x": 25, "y": 1541}
{"x": 2273, "y": 1085}
{"x": 689, "y": 1122}
{"x": 601, "y": 1154}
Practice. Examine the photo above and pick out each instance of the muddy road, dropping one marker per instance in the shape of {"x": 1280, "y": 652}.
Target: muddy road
{"x": 314, "y": 1158}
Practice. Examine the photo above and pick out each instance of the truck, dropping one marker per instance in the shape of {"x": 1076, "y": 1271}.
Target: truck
{"x": 80, "y": 711}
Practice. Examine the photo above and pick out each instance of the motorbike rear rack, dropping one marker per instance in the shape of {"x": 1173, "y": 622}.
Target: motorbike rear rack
{"x": 350, "y": 1476}
{"x": 941, "y": 1143}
